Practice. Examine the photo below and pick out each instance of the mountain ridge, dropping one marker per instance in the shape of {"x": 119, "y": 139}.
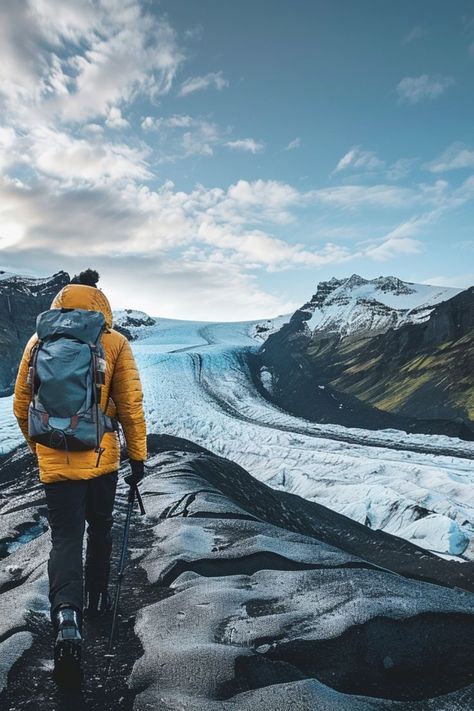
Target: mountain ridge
{"x": 355, "y": 306}
{"x": 350, "y": 374}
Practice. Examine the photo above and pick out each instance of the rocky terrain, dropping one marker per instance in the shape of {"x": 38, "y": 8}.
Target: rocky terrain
{"x": 21, "y": 300}
{"x": 238, "y": 596}
{"x": 416, "y": 370}
{"x": 415, "y": 376}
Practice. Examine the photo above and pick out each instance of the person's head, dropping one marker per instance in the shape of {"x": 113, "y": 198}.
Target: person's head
{"x": 82, "y": 293}
{"x": 89, "y": 277}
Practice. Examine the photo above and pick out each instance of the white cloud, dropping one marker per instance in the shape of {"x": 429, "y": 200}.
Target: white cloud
{"x": 226, "y": 227}
{"x": 147, "y": 123}
{"x": 357, "y": 159}
{"x": 256, "y": 248}
{"x": 213, "y": 79}
{"x": 351, "y": 197}
{"x": 201, "y": 139}
{"x": 72, "y": 160}
{"x": 295, "y": 143}
{"x": 364, "y": 162}
{"x": 246, "y": 144}
{"x": 138, "y": 221}
{"x": 181, "y": 136}
{"x": 115, "y": 118}
{"x": 180, "y": 121}
{"x": 399, "y": 241}
{"x": 259, "y": 200}
{"x": 195, "y": 33}
{"x": 72, "y": 71}
{"x": 195, "y": 145}
{"x": 94, "y": 129}
{"x": 400, "y": 168}
{"x": 415, "y": 89}
{"x": 394, "y": 247}
{"x": 458, "y": 155}
{"x": 8, "y": 147}
{"x": 77, "y": 60}
{"x": 187, "y": 288}
{"x": 176, "y": 121}
{"x": 177, "y": 237}
{"x": 414, "y": 34}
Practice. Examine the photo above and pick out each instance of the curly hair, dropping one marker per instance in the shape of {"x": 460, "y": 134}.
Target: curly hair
{"x": 89, "y": 277}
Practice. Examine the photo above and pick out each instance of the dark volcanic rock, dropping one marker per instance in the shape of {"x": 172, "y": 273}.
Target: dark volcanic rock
{"x": 253, "y": 599}
{"x": 125, "y": 332}
{"x": 450, "y": 320}
{"x": 280, "y": 603}
{"x": 21, "y": 300}
{"x": 26, "y": 639}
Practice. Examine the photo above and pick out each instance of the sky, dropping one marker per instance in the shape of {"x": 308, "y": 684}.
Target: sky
{"x": 217, "y": 160}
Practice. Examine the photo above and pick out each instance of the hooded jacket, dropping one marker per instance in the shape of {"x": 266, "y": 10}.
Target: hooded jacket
{"x": 121, "y": 397}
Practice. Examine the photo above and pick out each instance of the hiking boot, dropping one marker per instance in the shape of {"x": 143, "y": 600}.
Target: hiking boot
{"x": 67, "y": 647}
{"x": 97, "y": 603}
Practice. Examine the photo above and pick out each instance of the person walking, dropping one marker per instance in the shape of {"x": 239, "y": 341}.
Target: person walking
{"x": 80, "y": 483}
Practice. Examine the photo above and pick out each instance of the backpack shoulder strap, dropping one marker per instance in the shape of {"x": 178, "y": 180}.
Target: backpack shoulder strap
{"x": 31, "y": 377}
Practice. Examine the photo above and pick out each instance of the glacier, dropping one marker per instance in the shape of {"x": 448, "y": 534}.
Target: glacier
{"x": 197, "y": 385}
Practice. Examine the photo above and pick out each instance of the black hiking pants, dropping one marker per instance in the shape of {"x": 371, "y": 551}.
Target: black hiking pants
{"x": 70, "y": 504}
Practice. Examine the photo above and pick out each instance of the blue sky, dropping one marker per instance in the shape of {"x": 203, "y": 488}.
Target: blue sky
{"x": 217, "y": 160}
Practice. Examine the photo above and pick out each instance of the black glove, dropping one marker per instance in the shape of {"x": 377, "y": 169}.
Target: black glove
{"x": 138, "y": 470}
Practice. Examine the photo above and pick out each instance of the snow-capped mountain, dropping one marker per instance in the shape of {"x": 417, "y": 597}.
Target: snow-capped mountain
{"x": 357, "y": 306}
{"x": 132, "y": 323}
{"x": 263, "y": 329}
{"x": 30, "y": 286}
{"x": 349, "y": 359}
{"x": 131, "y": 318}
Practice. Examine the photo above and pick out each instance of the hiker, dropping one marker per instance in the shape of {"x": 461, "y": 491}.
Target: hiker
{"x": 79, "y": 483}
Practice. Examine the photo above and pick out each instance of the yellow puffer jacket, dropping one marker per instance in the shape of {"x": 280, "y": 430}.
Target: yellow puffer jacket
{"x": 122, "y": 383}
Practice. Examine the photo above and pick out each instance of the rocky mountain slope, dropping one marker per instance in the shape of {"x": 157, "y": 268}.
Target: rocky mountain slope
{"x": 416, "y": 375}
{"x": 239, "y": 596}
{"x": 357, "y": 306}
{"x": 420, "y": 370}
{"x": 21, "y": 300}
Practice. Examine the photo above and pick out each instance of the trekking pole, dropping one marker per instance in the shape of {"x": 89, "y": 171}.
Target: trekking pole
{"x": 133, "y": 491}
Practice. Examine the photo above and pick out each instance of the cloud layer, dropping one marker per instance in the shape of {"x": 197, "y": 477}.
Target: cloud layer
{"x": 414, "y": 89}
{"x": 96, "y": 111}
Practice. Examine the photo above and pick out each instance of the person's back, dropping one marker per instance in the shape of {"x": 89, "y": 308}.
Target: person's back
{"x": 80, "y": 486}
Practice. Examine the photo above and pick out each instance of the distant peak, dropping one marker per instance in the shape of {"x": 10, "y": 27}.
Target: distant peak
{"x": 392, "y": 283}
{"x": 354, "y": 281}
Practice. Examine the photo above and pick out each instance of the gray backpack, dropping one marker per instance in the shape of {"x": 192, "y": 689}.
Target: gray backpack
{"x": 66, "y": 373}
